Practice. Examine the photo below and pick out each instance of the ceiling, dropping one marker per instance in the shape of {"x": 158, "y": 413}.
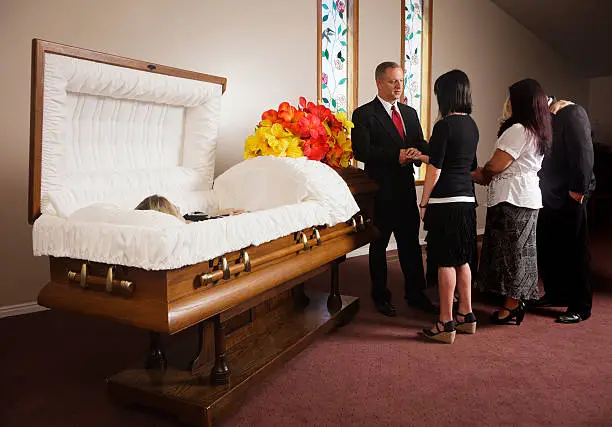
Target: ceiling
{"x": 579, "y": 31}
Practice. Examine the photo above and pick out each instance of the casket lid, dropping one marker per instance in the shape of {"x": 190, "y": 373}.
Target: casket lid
{"x": 40, "y": 51}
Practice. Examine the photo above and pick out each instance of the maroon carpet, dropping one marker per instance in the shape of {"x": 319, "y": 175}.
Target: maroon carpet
{"x": 374, "y": 371}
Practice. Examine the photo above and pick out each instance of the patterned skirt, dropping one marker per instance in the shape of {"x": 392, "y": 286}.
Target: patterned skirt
{"x": 508, "y": 262}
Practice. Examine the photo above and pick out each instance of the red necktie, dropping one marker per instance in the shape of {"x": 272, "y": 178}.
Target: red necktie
{"x": 397, "y": 121}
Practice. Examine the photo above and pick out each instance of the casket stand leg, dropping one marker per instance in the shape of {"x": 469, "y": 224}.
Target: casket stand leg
{"x": 210, "y": 366}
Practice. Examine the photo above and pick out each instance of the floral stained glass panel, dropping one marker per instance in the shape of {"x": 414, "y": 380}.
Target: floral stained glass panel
{"x": 413, "y": 35}
{"x": 334, "y": 61}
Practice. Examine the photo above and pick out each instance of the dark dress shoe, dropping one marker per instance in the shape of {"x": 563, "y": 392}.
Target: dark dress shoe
{"x": 386, "y": 308}
{"x": 423, "y": 303}
{"x": 573, "y": 317}
{"x": 547, "y": 301}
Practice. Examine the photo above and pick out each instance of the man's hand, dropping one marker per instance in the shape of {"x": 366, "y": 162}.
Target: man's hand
{"x": 578, "y": 197}
{"x": 410, "y": 154}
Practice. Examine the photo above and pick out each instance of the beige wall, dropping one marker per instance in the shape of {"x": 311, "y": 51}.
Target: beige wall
{"x": 379, "y": 41}
{"x": 267, "y": 58}
{"x": 600, "y": 109}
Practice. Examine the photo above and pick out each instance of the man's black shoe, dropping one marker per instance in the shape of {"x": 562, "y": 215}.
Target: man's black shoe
{"x": 421, "y": 302}
{"x": 546, "y": 301}
{"x": 573, "y": 317}
{"x": 386, "y": 308}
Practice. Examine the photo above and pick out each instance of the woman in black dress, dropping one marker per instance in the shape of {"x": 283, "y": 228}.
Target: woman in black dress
{"x": 448, "y": 204}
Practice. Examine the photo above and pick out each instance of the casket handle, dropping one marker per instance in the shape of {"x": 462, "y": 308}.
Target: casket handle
{"x": 361, "y": 222}
{"x": 246, "y": 260}
{"x": 303, "y": 239}
{"x": 109, "y": 282}
{"x": 224, "y": 266}
{"x": 317, "y": 235}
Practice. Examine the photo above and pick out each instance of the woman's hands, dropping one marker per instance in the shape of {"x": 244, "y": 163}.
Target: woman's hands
{"x": 479, "y": 177}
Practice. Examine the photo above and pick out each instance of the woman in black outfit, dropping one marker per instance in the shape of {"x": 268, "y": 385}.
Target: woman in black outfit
{"x": 448, "y": 203}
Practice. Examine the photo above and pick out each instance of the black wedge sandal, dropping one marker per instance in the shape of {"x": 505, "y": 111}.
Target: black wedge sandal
{"x": 445, "y": 332}
{"x": 468, "y": 325}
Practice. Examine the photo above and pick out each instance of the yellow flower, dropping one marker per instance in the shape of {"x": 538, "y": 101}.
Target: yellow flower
{"x": 293, "y": 148}
{"x": 342, "y": 118}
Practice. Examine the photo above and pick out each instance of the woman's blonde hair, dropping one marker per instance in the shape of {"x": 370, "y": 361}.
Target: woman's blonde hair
{"x": 160, "y": 204}
{"x": 507, "y": 110}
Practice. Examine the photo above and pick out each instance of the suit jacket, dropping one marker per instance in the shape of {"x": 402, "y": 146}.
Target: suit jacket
{"x": 376, "y": 142}
{"x": 569, "y": 164}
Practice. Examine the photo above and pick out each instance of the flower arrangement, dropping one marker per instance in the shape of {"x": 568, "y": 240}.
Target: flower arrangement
{"x": 309, "y": 130}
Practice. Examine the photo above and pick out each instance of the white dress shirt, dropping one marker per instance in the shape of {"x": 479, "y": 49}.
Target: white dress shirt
{"x": 387, "y": 106}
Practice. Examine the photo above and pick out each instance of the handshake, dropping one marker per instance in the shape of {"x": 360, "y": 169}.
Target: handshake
{"x": 407, "y": 155}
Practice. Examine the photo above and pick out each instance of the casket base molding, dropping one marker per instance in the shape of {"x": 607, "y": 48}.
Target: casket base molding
{"x": 189, "y": 395}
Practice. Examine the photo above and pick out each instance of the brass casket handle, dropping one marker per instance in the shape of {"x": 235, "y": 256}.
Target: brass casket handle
{"x": 110, "y": 283}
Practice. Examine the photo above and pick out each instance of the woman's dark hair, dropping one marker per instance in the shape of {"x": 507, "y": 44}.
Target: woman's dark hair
{"x": 529, "y": 106}
{"x": 452, "y": 90}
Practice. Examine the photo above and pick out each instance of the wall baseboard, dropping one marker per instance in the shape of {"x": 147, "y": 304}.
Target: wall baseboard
{"x": 18, "y": 309}
{"x": 32, "y": 307}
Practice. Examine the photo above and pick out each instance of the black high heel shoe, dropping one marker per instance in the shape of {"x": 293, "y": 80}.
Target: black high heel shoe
{"x": 515, "y": 316}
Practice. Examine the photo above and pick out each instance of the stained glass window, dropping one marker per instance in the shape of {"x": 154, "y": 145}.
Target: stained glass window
{"x": 416, "y": 48}
{"x": 336, "y": 65}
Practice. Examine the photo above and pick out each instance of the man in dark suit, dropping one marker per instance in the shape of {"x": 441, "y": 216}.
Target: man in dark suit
{"x": 567, "y": 181}
{"x": 387, "y": 137}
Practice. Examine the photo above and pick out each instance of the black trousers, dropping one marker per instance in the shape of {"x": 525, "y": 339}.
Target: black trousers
{"x": 563, "y": 255}
{"x": 403, "y": 220}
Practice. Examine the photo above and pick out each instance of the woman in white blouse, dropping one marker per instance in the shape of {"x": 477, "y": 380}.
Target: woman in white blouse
{"x": 508, "y": 264}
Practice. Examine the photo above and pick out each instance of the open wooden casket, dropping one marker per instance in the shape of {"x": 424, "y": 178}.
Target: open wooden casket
{"x": 107, "y": 132}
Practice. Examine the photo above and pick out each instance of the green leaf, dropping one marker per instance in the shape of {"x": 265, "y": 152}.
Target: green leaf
{"x": 323, "y": 86}
{"x": 417, "y": 96}
{"x": 325, "y": 18}
{"x": 411, "y": 75}
{"x": 334, "y": 102}
{"x": 344, "y": 32}
{"x": 416, "y": 50}
{"x": 341, "y": 110}
{"x": 339, "y": 29}
{"x": 326, "y": 7}
{"x": 409, "y": 16}
{"x": 326, "y": 54}
{"x": 339, "y": 54}
{"x": 325, "y": 100}
{"x": 412, "y": 6}
{"x": 343, "y": 43}
{"x": 341, "y": 82}
{"x": 419, "y": 32}
{"x": 411, "y": 36}
{"x": 420, "y": 17}
{"x": 341, "y": 15}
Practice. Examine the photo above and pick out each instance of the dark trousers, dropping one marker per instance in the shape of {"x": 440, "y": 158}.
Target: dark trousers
{"x": 563, "y": 256}
{"x": 402, "y": 219}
